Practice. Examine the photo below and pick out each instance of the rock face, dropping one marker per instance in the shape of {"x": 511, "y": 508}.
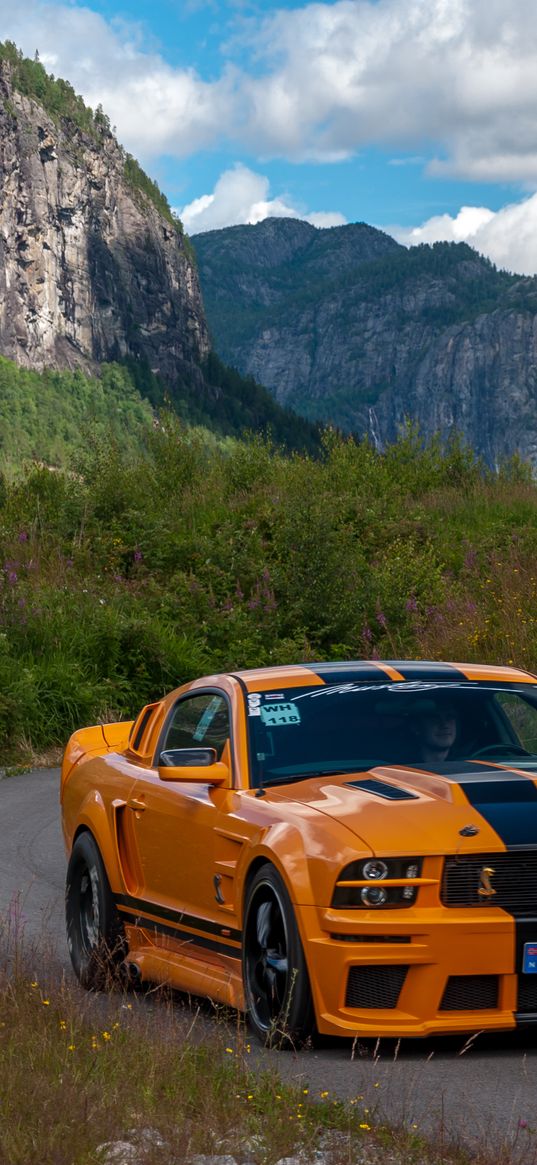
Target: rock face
{"x": 90, "y": 270}
{"x": 345, "y": 325}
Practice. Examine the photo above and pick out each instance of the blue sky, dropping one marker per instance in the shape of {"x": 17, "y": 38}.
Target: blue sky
{"x": 418, "y": 116}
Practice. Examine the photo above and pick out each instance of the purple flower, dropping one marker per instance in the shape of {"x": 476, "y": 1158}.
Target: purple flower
{"x": 69, "y": 562}
{"x": 367, "y": 634}
{"x": 381, "y": 619}
{"x": 470, "y": 560}
{"x": 239, "y": 593}
{"x": 12, "y": 577}
{"x": 22, "y": 602}
{"x": 138, "y": 556}
{"x": 522, "y": 1124}
{"x": 23, "y": 537}
{"x": 411, "y": 604}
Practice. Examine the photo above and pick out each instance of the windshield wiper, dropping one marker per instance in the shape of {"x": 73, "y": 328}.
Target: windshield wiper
{"x": 291, "y": 780}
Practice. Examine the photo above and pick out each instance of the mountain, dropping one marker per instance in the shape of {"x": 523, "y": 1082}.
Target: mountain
{"x": 95, "y": 268}
{"x": 345, "y": 325}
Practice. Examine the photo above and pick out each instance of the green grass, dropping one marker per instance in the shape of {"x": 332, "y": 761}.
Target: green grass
{"x": 133, "y": 573}
{"x": 81, "y": 1071}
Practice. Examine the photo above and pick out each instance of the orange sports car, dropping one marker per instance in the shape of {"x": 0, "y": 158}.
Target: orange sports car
{"x": 350, "y": 847}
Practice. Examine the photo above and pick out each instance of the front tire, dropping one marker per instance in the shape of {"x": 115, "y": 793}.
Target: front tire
{"x": 276, "y": 982}
{"x": 95, "y": 934}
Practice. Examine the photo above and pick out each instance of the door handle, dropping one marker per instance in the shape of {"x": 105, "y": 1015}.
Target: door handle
{"x": 138, "y": 806}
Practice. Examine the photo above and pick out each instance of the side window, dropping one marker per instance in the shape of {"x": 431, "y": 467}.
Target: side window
{"x": 522, "y": 717}
{"x": 198, "y": 722}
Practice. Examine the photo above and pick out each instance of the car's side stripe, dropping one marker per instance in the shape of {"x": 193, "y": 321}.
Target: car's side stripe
{"x": 168, "y": 914}
{"x": 185, "y": 936}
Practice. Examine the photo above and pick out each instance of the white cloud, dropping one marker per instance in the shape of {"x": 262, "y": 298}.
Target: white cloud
{"x": 507, "y": 236}
{"x": 319, "y": 81}
{"x": 156, "y": 108}
{"x": 241, "y": 196}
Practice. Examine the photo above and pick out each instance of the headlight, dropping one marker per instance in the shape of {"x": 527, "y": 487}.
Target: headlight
{"x": 397, "y": 879}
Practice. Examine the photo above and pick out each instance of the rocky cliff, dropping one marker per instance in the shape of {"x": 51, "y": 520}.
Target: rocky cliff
{"x": 345, "y": 325}
{"x": 91, "y": 269}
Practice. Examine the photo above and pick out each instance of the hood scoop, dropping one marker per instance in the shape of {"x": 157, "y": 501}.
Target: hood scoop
{"x": 382, "y": 789}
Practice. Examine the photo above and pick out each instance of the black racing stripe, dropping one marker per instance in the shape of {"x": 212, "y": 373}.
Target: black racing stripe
{"x": 197, "y": 940}
{"x": 462, "y": 772}
{"x": 341, "y": 673}
{"x": 412, "y": 670}
{"x": 506, "y": 799}
{"x": 509, "y": 805}
{"x": 178, "y": 916}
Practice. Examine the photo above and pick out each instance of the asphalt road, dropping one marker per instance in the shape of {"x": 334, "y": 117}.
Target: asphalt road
{"x": 487, "y": 1095}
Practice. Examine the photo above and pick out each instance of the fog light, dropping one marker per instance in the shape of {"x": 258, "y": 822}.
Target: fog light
{"x": 375, "y": 870}
{"x": 374, "y": 895}
{"x": 412, "y": 872}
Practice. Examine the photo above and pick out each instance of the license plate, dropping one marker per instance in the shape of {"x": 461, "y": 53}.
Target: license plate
{"x": 529, "y": 961}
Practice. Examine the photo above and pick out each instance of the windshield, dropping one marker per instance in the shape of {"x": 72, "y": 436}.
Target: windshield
{"x": 295, "y": 733}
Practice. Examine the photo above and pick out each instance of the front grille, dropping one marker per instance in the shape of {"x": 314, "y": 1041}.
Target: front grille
{"x": 470, "y": 993}
{"x": 374, "y": 987}
{"x": 514, "y": 881}
{"x": 527, "y": 993}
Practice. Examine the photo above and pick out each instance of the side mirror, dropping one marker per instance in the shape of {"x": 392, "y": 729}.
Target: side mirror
{"x": 197, "y": 765}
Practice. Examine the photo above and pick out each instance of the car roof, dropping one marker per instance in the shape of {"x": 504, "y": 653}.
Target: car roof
{"x": 348, "y": 671}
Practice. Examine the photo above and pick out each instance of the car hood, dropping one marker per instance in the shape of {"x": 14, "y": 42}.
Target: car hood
{"x": 460, "y": 807}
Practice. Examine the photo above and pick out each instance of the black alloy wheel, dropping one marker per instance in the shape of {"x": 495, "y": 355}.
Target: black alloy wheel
{"x": 276, "y": 981}
{"x": 95, "y": 934}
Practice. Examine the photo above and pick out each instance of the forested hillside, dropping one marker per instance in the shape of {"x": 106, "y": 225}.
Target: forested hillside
{"x": 347, "y": 326}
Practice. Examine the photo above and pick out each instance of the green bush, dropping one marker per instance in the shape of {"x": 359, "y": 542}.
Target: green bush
{"x": 131, "y": 574}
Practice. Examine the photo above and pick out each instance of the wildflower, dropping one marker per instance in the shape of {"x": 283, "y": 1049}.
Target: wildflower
{"x": 305, "y": 1091}
{"x": 23, "y": 536}
{"x": 107, "y": 1036}
{"x": 71, "y": 1047}
{"x": 45, "y": 1002}
{"x": 63, "y": 1025}
{"x": 138, "y": 556}
{"x": 12, "y": 577}
{"x": 364, "y": 1125}
{"x": 34, "y": 983}
{"x": 230, "y": 1050}
{"x": 522, "y": 1124}
{"x": 324, "y": 1095}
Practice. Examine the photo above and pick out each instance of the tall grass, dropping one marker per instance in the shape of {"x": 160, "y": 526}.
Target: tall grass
{"x": 136, "y": 572}
{"x": 81, "y": 1075}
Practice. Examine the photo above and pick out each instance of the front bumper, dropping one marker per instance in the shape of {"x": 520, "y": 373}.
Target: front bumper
{"x": 423, "y": 962}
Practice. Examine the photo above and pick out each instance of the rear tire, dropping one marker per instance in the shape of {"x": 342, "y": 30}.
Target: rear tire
{"x": 95, "y": 934}
{"x": 276, "y": 982}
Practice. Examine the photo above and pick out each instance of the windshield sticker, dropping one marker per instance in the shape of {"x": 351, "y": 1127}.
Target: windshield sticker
{"x": 275, "y": 715}
{"x": 254, "y": 704}
{"x": 275, "y": 696}
{"x": 207, "y": 719}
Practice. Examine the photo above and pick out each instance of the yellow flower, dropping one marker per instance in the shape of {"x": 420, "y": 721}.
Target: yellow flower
{"x": 45, "y": 1002}
{"x": 34, "y": 984}
{"x": 63, "y": 1025}
{"x": 364, "y": 1125}
{"x": 324, "y": 1095}
{"x": 230, "y": 1050}
{"x": 107, "y": 1036}
{"x": 71, "y": 1047}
